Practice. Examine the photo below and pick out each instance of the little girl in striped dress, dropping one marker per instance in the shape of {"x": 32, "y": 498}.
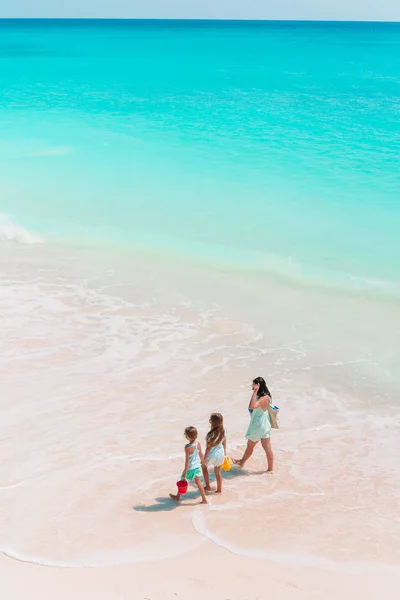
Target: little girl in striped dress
{"x": 193, "y": 461}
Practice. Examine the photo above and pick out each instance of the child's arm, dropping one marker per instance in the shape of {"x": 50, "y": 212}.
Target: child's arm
{"x": 224, "y": 445}
{"x": 187, "y": 457}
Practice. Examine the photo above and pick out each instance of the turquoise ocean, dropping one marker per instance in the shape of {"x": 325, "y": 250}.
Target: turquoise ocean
{"x": 184, "y": 206}
{"x": 269, "y": 146}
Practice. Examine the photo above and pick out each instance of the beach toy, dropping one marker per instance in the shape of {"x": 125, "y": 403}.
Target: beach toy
{"x": 182, "y": 486}
{"x": 226, "y": 465}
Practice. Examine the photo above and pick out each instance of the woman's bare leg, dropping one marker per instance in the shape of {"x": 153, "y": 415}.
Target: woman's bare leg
{"x": 218, "y": 477}
{"x": 206, "y": 476}
{"x": 266, "y": 444}
{"x": 248, "y": 452}
{"x": 201, "y": 490}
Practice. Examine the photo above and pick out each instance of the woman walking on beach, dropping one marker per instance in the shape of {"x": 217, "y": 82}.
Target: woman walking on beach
{"x": 259, "y": 429}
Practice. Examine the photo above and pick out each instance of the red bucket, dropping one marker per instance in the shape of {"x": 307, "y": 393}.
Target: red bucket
{"x": 182, "y": 486}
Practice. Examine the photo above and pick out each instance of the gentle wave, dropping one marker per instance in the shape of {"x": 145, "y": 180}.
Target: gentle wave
{"x": 46, "y": 152}
{"x": 111, "y": 558}
{"x": 51, "y": 151}
{"x": 303, "y": 560}
{"x": 11, "y": 232}
{"x": 278, "y": 268}
{"x": 240, "y": 262}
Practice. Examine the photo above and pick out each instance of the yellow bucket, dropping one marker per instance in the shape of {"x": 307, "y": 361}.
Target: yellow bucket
{"x": 226, "y": 464}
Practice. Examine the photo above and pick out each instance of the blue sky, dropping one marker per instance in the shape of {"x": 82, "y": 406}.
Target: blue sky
{"x": 388, "y": 10}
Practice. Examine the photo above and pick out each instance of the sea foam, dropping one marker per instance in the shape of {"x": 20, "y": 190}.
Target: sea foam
{"x": 12, "y": 232}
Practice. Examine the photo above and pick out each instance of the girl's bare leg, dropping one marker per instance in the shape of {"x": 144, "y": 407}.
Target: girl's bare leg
{"x": 266, "y": 444}
{"x": 206, "y": 478}
{"x": 248, "y": 452}
{"x": 175, "y": 497}
{"x": 201, "y": 490}
{"x": 218, "y": 477}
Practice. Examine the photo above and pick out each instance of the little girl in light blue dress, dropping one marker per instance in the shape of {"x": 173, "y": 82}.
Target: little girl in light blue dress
{"x": 215, "y": 451}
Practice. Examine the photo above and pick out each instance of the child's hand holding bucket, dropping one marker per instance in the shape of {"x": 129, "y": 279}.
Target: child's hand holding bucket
{"x": 182, "y": 485}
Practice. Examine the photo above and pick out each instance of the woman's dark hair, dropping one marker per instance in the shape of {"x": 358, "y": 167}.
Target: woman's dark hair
{"x": 217, "y": 432}
{"x": 262, "y": 390}
{"x": 191, "y": 433}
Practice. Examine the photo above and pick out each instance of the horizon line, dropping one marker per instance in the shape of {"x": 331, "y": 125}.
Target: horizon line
{"x": 196, "y": 19}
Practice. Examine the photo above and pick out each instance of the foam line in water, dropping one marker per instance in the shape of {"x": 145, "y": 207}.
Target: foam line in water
{"x": 41, "y": 153}
{"x": 108, "y": 558}
{"x": 288, "y": 558}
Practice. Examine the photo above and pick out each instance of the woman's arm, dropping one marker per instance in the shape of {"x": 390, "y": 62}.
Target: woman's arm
{"x": 253, "y": 399}
{"x": 254, "y": 403}
{"x": 187, "y": 457}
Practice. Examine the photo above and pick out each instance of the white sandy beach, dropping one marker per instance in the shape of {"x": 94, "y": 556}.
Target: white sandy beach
{"x": 209, "y": 572}
{"x": 89, "y": 460}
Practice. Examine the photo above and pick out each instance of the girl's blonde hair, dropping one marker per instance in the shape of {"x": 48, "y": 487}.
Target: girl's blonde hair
{"x": 216, "y": 435}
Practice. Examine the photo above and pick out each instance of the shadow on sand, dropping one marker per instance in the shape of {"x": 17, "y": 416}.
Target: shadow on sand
{"x": 165, "y": 504}
{"x": 238, "y": 472}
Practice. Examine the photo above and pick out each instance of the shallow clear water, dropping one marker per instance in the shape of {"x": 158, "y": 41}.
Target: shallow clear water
{"x": 275, "y": 143}
{"x": 185, "y": 206}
